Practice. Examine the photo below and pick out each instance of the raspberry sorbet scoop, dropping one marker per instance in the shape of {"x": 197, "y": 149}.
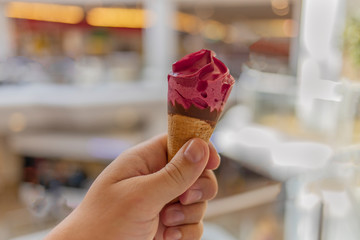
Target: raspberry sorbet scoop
{"x": 198, "y": 88}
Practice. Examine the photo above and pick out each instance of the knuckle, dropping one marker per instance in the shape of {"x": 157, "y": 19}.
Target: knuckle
{"x": 210, "y": 185}
{"x": 201, "y": 226}
{"x": 201, "y": 211}
{"x": 203, "y": 207}
{"x": 194, "y": 213}
{"x": 214, "y": 190}
{"x": 192, "y": 231}
{"x": 200, "y": 230}
{"x": 175, "y": 173}
{"x": 213, "y": 185}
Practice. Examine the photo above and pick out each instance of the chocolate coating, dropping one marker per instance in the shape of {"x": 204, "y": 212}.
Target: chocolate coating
{"x": 205, "y": 114}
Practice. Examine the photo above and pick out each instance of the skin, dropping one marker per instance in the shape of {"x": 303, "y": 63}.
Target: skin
{"x": 139, "y": 196}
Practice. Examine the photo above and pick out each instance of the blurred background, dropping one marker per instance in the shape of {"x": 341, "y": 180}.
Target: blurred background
{"x": 82, "y": 81}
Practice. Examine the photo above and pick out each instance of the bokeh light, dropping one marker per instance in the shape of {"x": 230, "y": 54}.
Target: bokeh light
{"x": 45, "y": 12}
{"x": 280, "y": 7}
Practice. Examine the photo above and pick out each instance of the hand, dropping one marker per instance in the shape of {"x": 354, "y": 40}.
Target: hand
{"x": 132, "y": 198}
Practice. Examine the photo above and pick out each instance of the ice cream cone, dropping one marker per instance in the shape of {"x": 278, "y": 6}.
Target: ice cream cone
{"x": 183, "y": 128}
{"x": 198, "y": 87}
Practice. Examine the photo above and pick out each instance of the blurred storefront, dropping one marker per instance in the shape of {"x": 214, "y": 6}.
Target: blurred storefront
{"x": 81, "y": 82}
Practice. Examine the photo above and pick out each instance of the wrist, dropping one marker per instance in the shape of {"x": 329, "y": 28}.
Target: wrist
{"x": 67, "y": 229}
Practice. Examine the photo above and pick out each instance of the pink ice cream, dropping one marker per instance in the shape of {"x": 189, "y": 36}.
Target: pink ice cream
{"x": 200, "y": 80}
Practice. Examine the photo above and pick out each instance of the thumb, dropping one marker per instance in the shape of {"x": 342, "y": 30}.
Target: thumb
{"x": 179, "y": 174}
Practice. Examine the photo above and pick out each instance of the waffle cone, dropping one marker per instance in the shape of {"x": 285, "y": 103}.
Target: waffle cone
{"x": 183, "y": 128}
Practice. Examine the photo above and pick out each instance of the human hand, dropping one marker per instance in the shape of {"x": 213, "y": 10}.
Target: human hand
{"x": 132, "y": 198}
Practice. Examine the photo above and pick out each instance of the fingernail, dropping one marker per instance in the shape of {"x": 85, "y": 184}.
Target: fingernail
{"x": 176, "y": 216}
{"x": 173, "y": 234}
{"x": 194, "y": 151}
{"x": 194, "y": 196}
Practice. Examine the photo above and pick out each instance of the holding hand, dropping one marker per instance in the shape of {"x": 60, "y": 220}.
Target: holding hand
{"x": 132, "y": 198}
